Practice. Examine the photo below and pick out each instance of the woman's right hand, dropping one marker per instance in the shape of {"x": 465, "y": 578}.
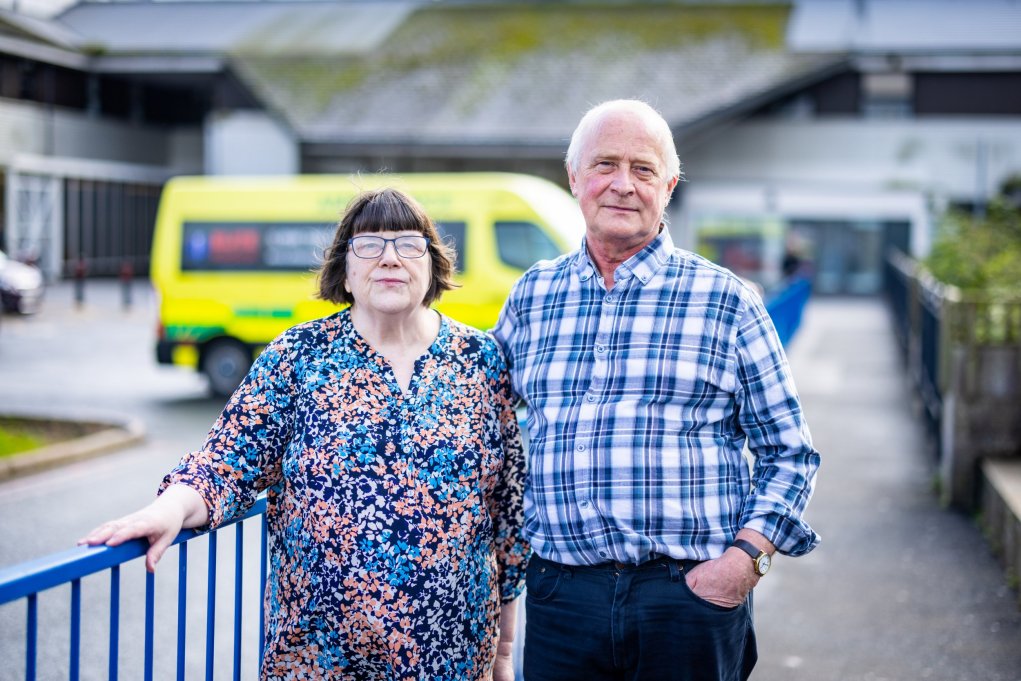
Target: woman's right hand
{"x": 160, "y": 522}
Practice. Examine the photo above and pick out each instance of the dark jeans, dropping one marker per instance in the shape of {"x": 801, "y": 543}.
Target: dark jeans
{"x": 631, "y": 623}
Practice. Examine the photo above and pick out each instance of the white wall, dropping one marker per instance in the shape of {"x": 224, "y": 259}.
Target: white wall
{"x": 27, "y": 128}
{"x": 185, "y": 152}
{"x": 943, "y": 159}
{"x": 249, "y": 143}
{"x": 22, "y": 130}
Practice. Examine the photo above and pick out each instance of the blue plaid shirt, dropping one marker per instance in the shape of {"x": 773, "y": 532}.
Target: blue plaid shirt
{"x": 640, "y": 402}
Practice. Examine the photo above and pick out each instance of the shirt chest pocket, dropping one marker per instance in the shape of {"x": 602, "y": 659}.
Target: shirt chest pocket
{"x": 686, "y": 388}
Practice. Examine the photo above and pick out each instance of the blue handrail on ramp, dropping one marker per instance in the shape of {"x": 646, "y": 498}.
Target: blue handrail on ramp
{"x": 786, "y": 306}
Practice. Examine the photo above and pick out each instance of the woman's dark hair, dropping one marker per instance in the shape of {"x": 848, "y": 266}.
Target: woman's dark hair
{"x": 383, "y": 210}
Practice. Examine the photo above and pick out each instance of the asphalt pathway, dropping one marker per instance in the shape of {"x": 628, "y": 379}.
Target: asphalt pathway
{"x": 900, "y": 588}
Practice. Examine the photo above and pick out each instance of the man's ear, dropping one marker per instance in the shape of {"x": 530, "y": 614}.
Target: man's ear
{"x": 672, "y": 184}
{"x": 571, "y": 180}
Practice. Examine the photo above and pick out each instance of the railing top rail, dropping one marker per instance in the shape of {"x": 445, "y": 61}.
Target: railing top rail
{"x": 796, "y": 287}
{"x": 902, "y": 261}
{"x": 24, "y": 579}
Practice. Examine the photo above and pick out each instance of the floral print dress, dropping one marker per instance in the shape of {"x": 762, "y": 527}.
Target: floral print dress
{"x": 394, "y": 518}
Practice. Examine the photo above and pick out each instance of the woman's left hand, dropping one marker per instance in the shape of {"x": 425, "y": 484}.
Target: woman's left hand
{"x": 503, "y": 668}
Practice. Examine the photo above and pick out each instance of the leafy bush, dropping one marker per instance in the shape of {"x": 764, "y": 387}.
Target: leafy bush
{"x": 985, "y": 254}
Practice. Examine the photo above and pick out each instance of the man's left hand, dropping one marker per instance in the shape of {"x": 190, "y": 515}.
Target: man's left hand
{"x": 725, "y": 581}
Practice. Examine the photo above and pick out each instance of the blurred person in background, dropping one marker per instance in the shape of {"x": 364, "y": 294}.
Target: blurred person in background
{"x": 387, "y": 442}
{"x": 646, "y": 370}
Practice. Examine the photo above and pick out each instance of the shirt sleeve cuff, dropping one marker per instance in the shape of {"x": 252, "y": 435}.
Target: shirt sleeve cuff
{"x": 790, "y": 537}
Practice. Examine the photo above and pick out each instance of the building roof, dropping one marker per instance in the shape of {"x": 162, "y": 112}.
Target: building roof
{"x": 522, "y": 74}
{"x": 39, "y": 39}
{"x": 906, "y": 26}
{"x": 225, "y": 26}
{"x": 415, "y": 74}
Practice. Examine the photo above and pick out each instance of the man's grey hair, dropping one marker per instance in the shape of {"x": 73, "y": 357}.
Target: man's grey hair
{"x": 654, "y": 123}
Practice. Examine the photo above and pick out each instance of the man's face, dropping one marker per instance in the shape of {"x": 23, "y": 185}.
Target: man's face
{"x": 621, "y": 183}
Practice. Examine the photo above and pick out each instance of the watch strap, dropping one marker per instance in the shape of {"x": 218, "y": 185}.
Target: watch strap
{"x": 760, "y": 559}
{"x": 748, "y": 547}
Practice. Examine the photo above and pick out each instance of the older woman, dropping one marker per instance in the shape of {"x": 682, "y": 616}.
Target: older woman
{"x": 386, "y": 439}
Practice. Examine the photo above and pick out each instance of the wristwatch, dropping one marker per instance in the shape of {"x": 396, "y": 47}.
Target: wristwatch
{"x": 759, "y": 558}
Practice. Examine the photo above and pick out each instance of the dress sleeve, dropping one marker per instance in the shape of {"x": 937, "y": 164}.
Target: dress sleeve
{"x": 785, "y": 461}
{"x": 505, "y": 503}
{"x": 242, "y": 453}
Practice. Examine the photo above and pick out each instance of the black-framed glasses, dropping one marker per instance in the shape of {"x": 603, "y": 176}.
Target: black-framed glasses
{"x": 372, "y": 247}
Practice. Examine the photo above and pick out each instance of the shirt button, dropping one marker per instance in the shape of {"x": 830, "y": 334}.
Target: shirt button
{"x": 600, "y": 348}
{"x": 584, "y": 504}
{"x": 581, "y": 448}
{"x": 603, "y": 554}
{"x": 608, "y": 299}
{"x": 590, "y": 398}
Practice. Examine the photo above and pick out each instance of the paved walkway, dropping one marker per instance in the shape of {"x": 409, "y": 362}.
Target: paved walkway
{"x": 900, "y": 589}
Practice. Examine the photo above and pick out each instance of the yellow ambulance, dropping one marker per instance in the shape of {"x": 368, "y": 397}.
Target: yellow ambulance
{"x": 233, "y": 258}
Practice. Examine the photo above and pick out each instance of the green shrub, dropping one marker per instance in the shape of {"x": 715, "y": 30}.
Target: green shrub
{"x": 981, "y": 254}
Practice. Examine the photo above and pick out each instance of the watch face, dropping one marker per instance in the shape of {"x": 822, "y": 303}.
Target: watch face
{"x": 762, "y": 564}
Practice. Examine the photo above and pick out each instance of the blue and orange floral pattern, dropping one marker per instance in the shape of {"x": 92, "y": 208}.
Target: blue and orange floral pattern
{"x": 394, "y": 517}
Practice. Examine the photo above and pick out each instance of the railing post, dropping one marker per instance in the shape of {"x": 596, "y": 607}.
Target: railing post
{"x": 182, "y": 608}
{"x": 211, "y": 608}
{"x": 31, "y": 635}
{"x": 150, "y": 607}
{"x": 115, "y": 601}
{"x": 239, "y": 546}
{"x": 76, "y": 629}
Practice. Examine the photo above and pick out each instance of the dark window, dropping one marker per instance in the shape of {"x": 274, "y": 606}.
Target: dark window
{"x": 522, "y": 244}
{"x": 453, "y": 235}
{"x": 967, "y": 93}
{"x": 109, "y": 223}
{"x": 254, "y": 246}
{"x": 837, "y": 95}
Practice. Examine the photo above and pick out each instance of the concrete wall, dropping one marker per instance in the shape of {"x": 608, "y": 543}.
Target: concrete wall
{"x": 23, "y": 129}
{"x": 981, "y": 404}
{"x": 249, "y": 143}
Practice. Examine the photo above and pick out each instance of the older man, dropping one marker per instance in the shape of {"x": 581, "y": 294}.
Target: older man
{"x": 646, "y": 370}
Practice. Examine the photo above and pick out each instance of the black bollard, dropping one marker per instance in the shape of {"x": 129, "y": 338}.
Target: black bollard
{"x": 127, "y": 275}
{"x": 80, "y": 270}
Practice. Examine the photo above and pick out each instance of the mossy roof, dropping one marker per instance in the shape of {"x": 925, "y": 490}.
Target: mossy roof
{"x": 464, "y": 72}
{"x": 524, "y": 73}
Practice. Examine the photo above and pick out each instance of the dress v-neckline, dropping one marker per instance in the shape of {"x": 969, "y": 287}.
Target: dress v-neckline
{"x": 388, "y": 372}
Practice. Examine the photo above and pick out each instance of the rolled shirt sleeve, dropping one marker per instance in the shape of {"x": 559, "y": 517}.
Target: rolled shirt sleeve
{"x": 771, "y": 416}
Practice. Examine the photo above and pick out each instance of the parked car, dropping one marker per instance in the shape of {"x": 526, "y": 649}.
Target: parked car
{"x": 21, "y": 286}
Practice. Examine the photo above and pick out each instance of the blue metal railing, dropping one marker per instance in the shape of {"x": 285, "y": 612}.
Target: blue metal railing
{"x": 786, "y": 306}
{"x": 917, "y": 303}
{"x": 27, "y": 580}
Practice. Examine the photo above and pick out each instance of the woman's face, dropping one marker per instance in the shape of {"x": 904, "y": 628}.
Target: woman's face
{"x": 389, "y": 283}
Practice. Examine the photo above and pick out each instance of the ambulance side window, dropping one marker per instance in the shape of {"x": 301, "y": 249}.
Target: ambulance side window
{"x": 453, "y": 234}
{"x": 522, "y": 244}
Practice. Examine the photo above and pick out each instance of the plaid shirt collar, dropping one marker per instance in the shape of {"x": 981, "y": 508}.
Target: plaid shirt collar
{"x": 643, "y": 265}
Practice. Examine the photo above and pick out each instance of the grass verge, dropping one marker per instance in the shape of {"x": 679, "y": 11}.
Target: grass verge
{"x": 19, "y": 435}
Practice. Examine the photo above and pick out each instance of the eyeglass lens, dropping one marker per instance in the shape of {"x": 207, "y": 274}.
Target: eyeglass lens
{"x": 373, "y": 246}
